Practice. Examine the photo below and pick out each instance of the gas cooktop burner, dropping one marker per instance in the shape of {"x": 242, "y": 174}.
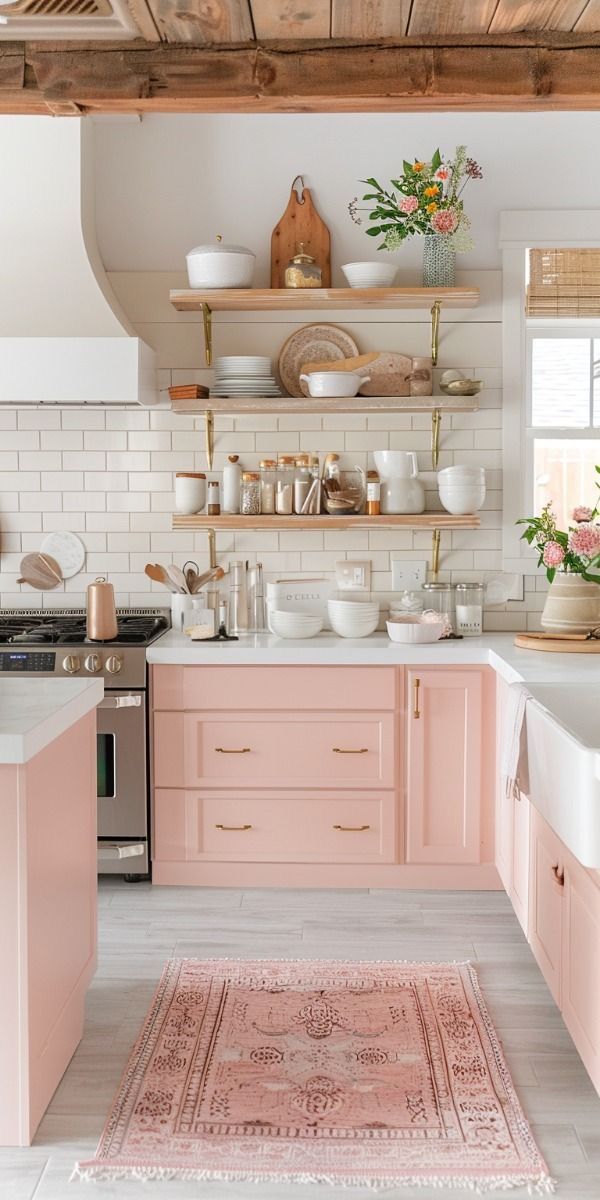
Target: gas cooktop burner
{"x": 57, "y": 629}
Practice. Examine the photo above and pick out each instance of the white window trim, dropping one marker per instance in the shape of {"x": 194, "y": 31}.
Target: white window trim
{"x": 520, "y": 231}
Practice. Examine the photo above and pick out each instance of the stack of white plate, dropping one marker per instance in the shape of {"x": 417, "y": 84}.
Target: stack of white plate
{"x": 244, "y": 375}
{"x": 294, "y": 624}
{"x": 353, "y": 618}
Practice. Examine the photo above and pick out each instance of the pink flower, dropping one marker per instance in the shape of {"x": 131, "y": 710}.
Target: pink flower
{"x": 582, "y": 513}
{"x": 444, "y": 221}
{"x": 553, "y": 554}
{"x": 442, "y": 173}
{"x": 585, "y": 540}
{"x": 408, "y": 204}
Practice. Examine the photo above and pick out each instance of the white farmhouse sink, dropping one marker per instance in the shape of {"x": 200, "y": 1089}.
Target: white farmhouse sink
{"x": 563, "y": 745}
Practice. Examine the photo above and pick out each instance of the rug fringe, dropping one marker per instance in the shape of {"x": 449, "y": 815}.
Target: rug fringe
{"x": 92, "y": 1172}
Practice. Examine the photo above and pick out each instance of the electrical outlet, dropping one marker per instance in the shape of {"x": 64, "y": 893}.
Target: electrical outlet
{"x": 408, "y": 573}
{"x": 354, "y": 575}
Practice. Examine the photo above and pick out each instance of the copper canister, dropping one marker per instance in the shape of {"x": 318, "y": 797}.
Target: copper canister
{"x": 101, "y": 624}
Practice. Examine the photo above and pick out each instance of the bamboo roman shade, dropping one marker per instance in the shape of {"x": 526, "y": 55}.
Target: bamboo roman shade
{"x": 563, "y": 283}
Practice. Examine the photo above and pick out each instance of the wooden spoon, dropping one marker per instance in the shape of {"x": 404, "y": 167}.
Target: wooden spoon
{"x": 159, "y": 575}
{"x": 207, "y": 577}
{"x": 177, "y": 577}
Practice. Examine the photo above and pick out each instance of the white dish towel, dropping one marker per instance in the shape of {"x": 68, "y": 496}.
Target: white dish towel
{"x": 514, "y": 765}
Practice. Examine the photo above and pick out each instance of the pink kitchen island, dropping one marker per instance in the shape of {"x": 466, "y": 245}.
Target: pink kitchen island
{"x": 47, "y": 888}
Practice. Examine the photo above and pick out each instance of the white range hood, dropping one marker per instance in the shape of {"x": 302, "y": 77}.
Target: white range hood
{"x": 64, "y": 338}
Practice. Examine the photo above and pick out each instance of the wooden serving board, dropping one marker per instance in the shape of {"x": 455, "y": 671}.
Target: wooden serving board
{"x": 555, "y": 644}
{"x": 300, "y": 223}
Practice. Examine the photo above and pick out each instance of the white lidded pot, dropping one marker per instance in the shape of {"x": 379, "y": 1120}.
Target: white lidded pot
{"x": 401, "y": 488}
{"x": 334, "y": 383}
{"x": 220, "y": 266}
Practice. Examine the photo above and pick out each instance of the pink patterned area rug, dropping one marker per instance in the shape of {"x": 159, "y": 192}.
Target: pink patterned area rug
{"x": 376, "y": 1074}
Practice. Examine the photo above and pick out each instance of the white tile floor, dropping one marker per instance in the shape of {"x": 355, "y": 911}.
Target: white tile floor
{"x": 141, "y": 926}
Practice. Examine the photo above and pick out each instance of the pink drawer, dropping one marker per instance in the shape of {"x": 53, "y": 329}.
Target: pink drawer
{"x": 265, "y": 688}
{"x": 194, "y": 826}
{"x": 274, "y": 750}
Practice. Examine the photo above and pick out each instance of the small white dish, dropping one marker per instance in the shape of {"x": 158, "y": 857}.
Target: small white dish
{"x": 334, "y": 383}
{"x": 411, "y": 629}
{"x": 369, "y": 274}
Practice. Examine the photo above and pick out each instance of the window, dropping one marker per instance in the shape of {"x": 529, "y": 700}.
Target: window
{"x": 563, "y": 417}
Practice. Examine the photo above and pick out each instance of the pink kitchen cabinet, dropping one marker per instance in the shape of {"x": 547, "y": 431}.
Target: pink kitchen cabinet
{"x": 447, "y": 781}
{"x": 546, "y": 887}
{"x": 580, "y": 962}
{"x": 47, "y": 921}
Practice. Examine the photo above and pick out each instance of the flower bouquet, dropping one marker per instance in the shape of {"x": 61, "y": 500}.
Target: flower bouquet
{"x": 576, "y": 550}
{"x": 425, "y": 199}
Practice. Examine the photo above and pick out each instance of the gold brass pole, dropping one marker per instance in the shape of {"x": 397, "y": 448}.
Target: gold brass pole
{"x": 212, "y": 548}
{"x": 435, "y": 330}
{"x": 435, "y": 555}
{"x": 436, "y": 421}
{"x": 209, "y": 431}
{"x": 207, "y": 323}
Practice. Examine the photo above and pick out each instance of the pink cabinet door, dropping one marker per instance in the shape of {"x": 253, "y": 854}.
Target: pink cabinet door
{"x": 503, "y": 841}
{"x": 581, "y": 963}
{"x": 266, "y": 750}
{"x": 445, "y": 789}
{"x": 546, "y": 887}
{"x": 519, "y": 889}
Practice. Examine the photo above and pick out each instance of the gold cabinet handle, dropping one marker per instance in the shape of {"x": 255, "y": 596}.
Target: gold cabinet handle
{"x": 222, "y": 750}
{"x": 416, "y": 709}
{"x": 559, "y": 875}
{"x": 233, "y": 828}
{"x": 339, "y": 750}
{"x": 352, "y": 828}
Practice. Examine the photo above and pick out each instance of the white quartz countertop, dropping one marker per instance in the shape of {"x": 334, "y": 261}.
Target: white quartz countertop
{"x": 496, "y": 650}
{"x": 34, "y": 711}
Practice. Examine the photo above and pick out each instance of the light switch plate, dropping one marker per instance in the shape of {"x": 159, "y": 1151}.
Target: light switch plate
{"x": 408, "y": 573}
{"x": 353, "y": 575}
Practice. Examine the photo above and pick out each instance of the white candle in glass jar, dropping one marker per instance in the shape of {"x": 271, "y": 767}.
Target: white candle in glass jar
{"x": 469, "y": 619}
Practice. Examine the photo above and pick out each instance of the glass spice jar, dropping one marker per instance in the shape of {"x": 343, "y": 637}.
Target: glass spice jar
{"x": 373, "y": 494}
{"x": 268, "y": 480}
{"x": 213, "y": 507}
{"x": 302, "y": 482}
{"x": 302, "y": 270}
{"x": 250, "y": 494}
{"x": 284, "y": 495}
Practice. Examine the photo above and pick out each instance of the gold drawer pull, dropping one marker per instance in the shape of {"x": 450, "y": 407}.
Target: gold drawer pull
{"x": 559, "y": 875}
{"x": 416, "y": 710}
{"x": 339, "y": 750}
{"x": 352, "y": 828}
{"x": 234, "y": 828}
{"x": 222, "y": 750}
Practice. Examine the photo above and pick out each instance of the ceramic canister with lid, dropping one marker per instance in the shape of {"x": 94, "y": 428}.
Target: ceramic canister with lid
{"x": 220, "y": 266}
{"x": 232, "y": 481}
{"x": 101, "y": 617}
{"x": 190, "y": 492}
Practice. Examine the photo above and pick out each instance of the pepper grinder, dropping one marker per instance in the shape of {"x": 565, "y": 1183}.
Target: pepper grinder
{"x": 256, "y": 600}
{"x": 238, "y": 597}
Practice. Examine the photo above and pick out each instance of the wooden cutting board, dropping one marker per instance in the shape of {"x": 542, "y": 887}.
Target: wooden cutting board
{"x": 556, "y": 644}
{"x": 300, "y": 223}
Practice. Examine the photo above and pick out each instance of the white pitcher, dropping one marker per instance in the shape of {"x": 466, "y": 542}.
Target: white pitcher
{"x": 401, "y": 488}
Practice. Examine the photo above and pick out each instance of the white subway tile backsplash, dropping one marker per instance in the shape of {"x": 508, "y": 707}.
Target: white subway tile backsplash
{"x": 9, "y": 461}
{"x": 90, "y": 501}
{"x": 60, "y": 439}
{"x": 128, "y": 460}
{"x": 19, "y": 439}
{"x": 151, "y": 481}
{"x": 38, "y": 502}
{"x": 8, "y": 418}
{"x": 168, "y": 460}
{"x": 75, "y": 521}
{"x": 128, "y": 502}
{"x": 103, "y": 439}
{"x": 83, "y": 418}
{"x": 38, "y": 418}
{"x": 129, "y": 418}
{"x": 110, "y": 521}
{"x": 84, "y": 460}
{"x": 106, "y": 481}
{"x": 145, "y": 440}
{"x": 62, "y": 481}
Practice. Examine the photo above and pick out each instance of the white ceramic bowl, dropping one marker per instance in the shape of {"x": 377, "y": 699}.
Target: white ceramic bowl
{"x": 458, "y": 473}
{"x": 220, "y": 266}
{"x": 301, "y": 625}
{"x": 353, "y": 618}
{"x": 369, "y": 274}
{"x": 460, "y": 501}
{"x": 412, "y": 629}
{"x": 334, "y": 383}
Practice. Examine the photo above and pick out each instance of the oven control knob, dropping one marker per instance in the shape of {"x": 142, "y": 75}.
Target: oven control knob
{"x": 93, "y": 663}
{"x": 71, "y": 664}
{"x": 114, "y": 664}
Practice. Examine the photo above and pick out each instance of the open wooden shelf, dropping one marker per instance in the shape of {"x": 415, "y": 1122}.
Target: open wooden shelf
{"x": 429, "y": 520}
{"x": 297, "y": 299}
{"x": 278, "y": 405}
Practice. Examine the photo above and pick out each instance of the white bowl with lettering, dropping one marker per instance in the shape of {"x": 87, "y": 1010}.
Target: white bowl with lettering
{"x": 334, "y": 384}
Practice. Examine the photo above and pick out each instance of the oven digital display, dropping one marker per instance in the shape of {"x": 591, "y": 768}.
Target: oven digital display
{"x": 27, "y": 661}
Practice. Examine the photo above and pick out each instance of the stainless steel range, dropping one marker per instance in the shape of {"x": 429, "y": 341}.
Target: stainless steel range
{"x": 55, "y": 643}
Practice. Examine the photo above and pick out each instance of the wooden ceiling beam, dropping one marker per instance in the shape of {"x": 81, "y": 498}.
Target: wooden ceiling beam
{"x": 517, "y": 73}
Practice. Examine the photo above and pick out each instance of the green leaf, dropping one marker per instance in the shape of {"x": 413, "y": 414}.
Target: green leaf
{"x": 407, "y": 167}
{"x": 373, "y": 183}
{"x": 550, "y": 573}
{"x": 372, "y": 196}
{"x": 374, "y": 231}
{"x": 436, "y": 161}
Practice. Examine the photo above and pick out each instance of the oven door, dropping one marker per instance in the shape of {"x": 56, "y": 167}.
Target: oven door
{"x": 122, "y": 772}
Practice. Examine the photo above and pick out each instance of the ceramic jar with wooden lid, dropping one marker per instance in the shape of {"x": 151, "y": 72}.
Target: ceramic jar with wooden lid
{"x": 190, "y": 492}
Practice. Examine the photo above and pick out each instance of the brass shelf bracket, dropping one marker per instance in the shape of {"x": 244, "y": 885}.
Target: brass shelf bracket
{"x": 436, "y": 423}
{"x": 209, "y": 436}
{"x": 435, "y": 330}
{"x": 207, "y": 323}
{"x": 435, "y": 554}
{"x": 212, "y": 548}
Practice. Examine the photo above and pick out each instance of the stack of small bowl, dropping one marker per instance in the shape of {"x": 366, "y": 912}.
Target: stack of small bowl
{"x": 294, "y": 624}
{"x": 462, "y": 489}
{"x": 369, "y": 274}
{"x": 353, "y": 618}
